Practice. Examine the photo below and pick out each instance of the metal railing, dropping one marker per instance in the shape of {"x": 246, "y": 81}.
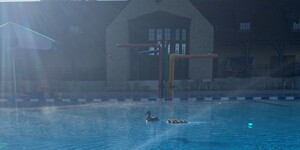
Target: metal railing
{"x": 222, "y": 71}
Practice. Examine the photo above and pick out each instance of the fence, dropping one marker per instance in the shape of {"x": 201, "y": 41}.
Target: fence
{"x": 255, "y": 70}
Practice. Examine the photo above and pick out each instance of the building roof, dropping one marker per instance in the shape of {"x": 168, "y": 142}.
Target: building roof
{"x": 271, "y": 20}
{"x": 53, "y": 18}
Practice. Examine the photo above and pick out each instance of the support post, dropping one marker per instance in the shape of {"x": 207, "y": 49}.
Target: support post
{"x": 173, "y": 57}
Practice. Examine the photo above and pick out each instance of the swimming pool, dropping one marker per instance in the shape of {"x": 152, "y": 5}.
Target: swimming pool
{"x": 121, "y": 125}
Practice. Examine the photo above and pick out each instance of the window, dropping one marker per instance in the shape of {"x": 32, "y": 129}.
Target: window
{"x": 152, "y": 49}
{"x": 183, "y": 35}
{"x": 167, "y": 34}
{"x": 177, "y": 48}
{"x": 159, "y": 34}
{"x": 172, "y": 40}
{"x": 177, "y": 35}
{"x": 296, "y": 25}
{"x": 183, "y": 49}
{"x": 151, "y": 34}
{"x": 167, "y": 46}
{"x": 245, "y": 26}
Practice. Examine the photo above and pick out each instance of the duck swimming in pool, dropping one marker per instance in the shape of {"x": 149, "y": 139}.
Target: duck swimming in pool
{"x": 151, "y": 119}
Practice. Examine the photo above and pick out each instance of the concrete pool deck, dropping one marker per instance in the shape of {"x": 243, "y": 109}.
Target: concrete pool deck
{"x": 151, "y": 96}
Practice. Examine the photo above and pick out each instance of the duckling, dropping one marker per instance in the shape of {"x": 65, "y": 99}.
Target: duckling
{"x": 174, "y": 121}
{"x": 149, "y": 118}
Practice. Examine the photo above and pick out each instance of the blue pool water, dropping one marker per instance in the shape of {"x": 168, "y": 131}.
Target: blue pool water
{"x": 212, "y": 125}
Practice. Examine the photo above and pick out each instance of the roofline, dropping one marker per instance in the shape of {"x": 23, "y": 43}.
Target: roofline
{"x": 28, "y": 29}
